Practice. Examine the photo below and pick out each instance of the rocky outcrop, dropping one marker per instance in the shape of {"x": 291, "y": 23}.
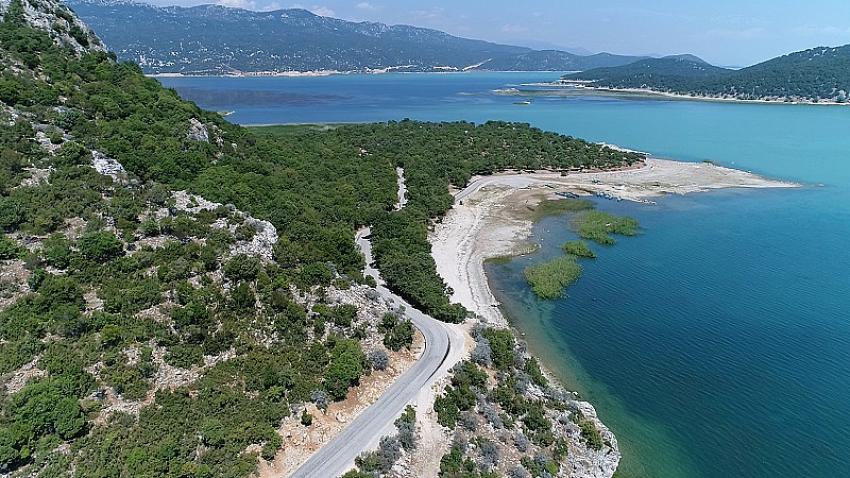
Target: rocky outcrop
{"x": 19, "y": 378}
{"x": 198, "y": 131}
{"x": 585, "y": 462}
{"x": 260, "y": 245}
{"x": 8, "y": 115}
{"x": 205, "y": 133}
{"x": 56, "y": 19}
{"x": 108, "y": 166}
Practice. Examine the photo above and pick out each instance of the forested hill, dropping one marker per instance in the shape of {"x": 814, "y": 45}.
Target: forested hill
{"x": 175, "y": 288}
{"x": 818, "y": 74}
{"x": 215, "y": 39}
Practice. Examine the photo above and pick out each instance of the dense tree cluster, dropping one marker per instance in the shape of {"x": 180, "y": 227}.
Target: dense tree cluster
{"x": 398, "y": 333}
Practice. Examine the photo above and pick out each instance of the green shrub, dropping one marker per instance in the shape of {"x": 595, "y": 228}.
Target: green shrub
{"x": 184, "y": 356}
{"x": 345, "y": 368}
{"x": 57, "y": 251}
{"x": 398, "y": 333}
{"x": 460, "y": 396}
{"x": 532, "y": 368}
{"x": 344, "y": 315}
{"x": 306, "y": 418}
{"x": 44, "y": 409}
{"x": 100, "y": 246}
{"x": 131, "y": 295}
{"x": 9, "y": 249}
{"x": 242, "y": 267}
{"x": 502, "y": 345}
{"x": 591, "y": 434}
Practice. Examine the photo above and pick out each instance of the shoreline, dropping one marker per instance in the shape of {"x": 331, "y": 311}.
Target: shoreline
{"x": 327, "y": 73}
{"x": 492, "y": 215}
{"x": 651, "y": 93}
{"x": 510, "y": 91}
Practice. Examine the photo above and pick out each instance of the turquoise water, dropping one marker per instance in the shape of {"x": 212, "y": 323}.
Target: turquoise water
{"x": 716, "y": 343}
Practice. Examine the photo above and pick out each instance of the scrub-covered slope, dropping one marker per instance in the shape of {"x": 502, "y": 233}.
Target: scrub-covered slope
{"x": 174, "y": 289}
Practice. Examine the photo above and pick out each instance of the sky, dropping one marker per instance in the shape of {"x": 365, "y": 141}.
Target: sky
{"x": 723, "y": 32}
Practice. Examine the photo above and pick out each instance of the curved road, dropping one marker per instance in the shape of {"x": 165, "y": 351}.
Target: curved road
{"x": 337, "y": 457}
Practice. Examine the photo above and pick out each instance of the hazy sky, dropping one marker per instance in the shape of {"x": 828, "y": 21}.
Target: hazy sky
{"x": 725, "y": 32}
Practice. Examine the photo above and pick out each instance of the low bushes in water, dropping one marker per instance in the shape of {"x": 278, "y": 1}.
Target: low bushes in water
{"x": 578, "y": 249}
{"x": 598, "y": 226}
{"x": 549, "y": 279}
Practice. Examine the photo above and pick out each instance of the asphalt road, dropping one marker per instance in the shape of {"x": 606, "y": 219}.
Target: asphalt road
{"x": 363, "y": 434}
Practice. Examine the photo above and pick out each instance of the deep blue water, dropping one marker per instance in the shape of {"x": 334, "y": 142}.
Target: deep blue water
{"x": 716, "y": 343}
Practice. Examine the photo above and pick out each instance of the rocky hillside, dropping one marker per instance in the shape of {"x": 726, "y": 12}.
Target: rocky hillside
{"x": 53, "y": 17}
{"x": 145, "y": 330}
{"x": 180, "y": 296}
{"x": 214, "y": 39}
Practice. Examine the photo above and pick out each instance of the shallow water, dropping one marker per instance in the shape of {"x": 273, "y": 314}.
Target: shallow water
{"x": 716, "y": 343}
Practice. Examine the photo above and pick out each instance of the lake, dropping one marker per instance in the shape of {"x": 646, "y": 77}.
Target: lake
{"x": 717, "y": 342}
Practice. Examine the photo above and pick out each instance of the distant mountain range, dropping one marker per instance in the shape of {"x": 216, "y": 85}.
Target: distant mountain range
{"x": 818, "y": 74}
{"x": 213, "y": 39}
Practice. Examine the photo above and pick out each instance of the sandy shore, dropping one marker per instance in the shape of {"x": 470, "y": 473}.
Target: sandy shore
{"x": 649, "y": 92}
{"x": 492, "y": 216}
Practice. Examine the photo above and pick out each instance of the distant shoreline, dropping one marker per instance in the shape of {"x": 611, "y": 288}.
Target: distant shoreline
{"x": 327, "y": 73}
{"x": 652, "y": 93}
{"x": 577, "y": 86}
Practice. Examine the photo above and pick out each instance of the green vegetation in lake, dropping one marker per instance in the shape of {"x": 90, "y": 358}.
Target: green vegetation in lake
{"x": 549, "y": 279}
{"x": 598, "y": 226}
{"x": 579, "y": 249}
{"x": 555, "y": 207}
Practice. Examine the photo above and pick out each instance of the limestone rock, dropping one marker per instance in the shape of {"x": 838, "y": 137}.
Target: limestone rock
{"x": 108, "y": 166}
{"x": 60, "y": 23}
{"x": 262, "y": 244}
{"x": 198, "y": 131}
